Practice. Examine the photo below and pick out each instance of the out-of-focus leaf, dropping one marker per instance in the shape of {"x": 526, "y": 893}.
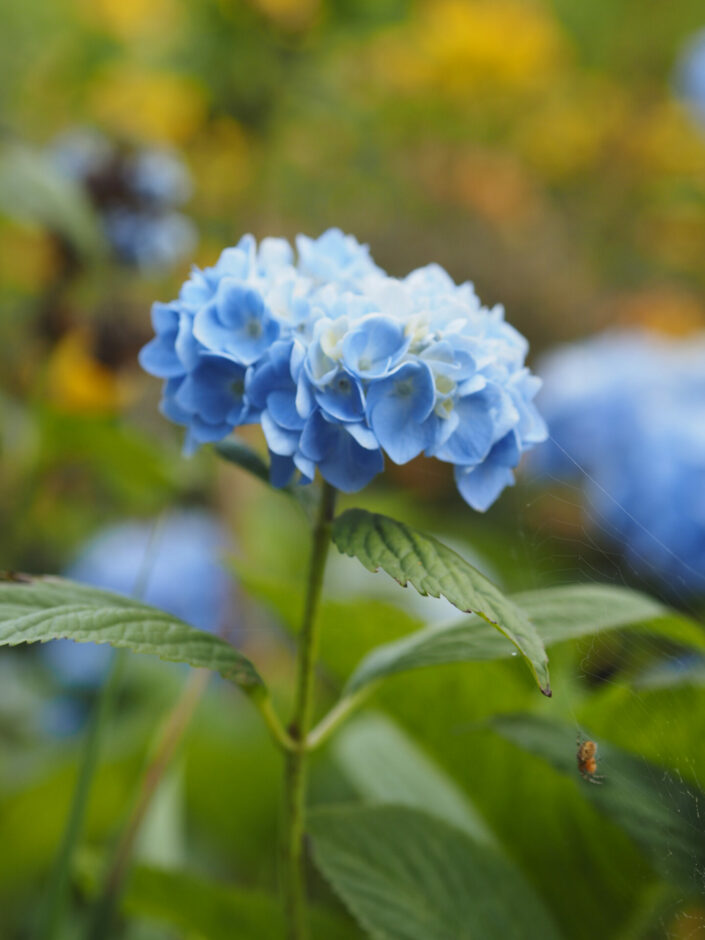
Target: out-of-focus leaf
{"x": 201, "y": 908}
{"x": 236, "y": 451}
{"x": 348, "y": 628}
{"x": 37, "y": 609}
{"x": 386, "y": 766}
{"x": 32, "y": 190}
{"x": 664, "y": 815}
{"x": 410, "y": 556}
{"x": 559, "y": 614}
{"x": 407, "y": 875}
{"x": 566, "y": 613}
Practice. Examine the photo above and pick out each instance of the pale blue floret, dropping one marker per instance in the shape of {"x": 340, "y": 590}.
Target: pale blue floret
{"x": 398, "y": 407}
{"x": 236, "y": 323}
{"x": 340, "y": 364}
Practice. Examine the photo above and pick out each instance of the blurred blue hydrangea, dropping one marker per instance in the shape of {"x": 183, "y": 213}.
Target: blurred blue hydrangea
{"x": 341, "y": 364}
{"x": 626, "y": 413}
{"x": 690, "y": 76}
{"x": 181, "y": 561}
{"x": 136, "y": 194}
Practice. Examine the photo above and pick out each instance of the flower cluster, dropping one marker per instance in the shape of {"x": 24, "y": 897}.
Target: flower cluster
{"x": 341, "y": 364}
{"x": 626, "y": 412}
{"x": 135, "y": 193}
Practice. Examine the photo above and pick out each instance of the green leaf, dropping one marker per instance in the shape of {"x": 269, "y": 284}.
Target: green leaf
{"x": 386, "y": 766}
{"x": 37, "y": 609}
{"x": 410, "y": 556}
{"x": 236, "y": 451}
{"x": 659, "y": 811}
{"x": 559, "y": 614}
{"x": 406, "y": 875}
{"x": 32, "y": 190}
{"x": 570, "y": 612}
{"x": 197, "y": 907}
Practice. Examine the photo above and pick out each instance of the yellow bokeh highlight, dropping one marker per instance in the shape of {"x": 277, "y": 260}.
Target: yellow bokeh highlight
{"x": 569, "y": 134}
{"x": 28, "y": 258}
{"x": 664, "y": 140}
{"x": 157, "y": 106}
{"x": 131, "y": 19}
{"x": 666, "y": 309}
{"x": 78, "y": 383}
{"x": 221, "y": 160}
{"x": 456, "y": 46}
{"x": 288, "y": 14}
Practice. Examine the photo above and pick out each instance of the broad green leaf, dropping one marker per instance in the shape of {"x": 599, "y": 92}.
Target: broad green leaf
{"x": 410, "y": 556}
{"x": 567, "y": 613}
{"x": 386, "y": 766}
{"x": 659, "y": 811}
{"x": 407, "y": 875}
{"x": 37, "y": 609}
{"x": 200, "y": 908}
{"x": 559, "y": 614}
{"x": 32, "y": 190}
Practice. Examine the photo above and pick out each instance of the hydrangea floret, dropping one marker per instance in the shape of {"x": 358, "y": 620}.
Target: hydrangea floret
{"x": 341, "y": 364}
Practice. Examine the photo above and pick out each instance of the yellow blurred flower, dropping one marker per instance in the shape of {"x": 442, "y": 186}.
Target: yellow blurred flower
{"x": 221, "y": 162}
{"x": 664, "y": 140}
{"x": 666, "y": 309}
{"x": 131, "y": 19}
{"x": 493, "y": 184}
{"x": 162, "y": 107}
{"x": 568, "y": 133}
{"x": 289, "y": 14}
{"x": 27, "y": 257}
{"x": 457, "y": 46}
{"x": 78, "y": 383}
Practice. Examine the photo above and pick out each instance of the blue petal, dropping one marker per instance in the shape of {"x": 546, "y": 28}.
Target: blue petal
{"x": 375, "y": 347}
{"x": 279, "y": 440}
{"x": 342, "y": 398}
{"x": 480, "y": 486}
{"x": 471, "y": 441}
{"x": 398, "y": 407}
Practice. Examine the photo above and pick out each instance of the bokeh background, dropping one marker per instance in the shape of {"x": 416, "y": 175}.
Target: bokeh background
{"x": 551, "y": 151}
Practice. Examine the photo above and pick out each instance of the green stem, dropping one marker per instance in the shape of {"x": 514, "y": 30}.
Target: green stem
{"x": 337, "y": 715}
{"x": 167, "y": 742}
{"x": 53, "y": 914}
{"x": 296, "y": 759}
{"x": 54, "y": 910}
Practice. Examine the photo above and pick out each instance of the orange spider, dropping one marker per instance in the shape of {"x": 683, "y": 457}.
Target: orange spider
{"x": 587, "y": 761}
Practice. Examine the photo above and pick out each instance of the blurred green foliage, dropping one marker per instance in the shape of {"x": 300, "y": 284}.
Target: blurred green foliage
{"x": 534, "y": 147}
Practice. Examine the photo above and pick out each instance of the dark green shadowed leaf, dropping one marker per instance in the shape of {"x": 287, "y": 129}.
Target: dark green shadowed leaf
{"x": 410, "y": 556}
{"x": 196, "y": 907}
{"x": 664, "y": 815}
{"x": 385, "y": 765}
{"x": 558, "y": 614}
{"x": 407, "y": 875}
{"x": 34, "y": 610}
{"x": 236, "y": 451}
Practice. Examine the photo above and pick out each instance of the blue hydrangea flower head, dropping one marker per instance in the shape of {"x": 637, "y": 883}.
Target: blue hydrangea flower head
{"x": 136, "y": 194}
{"x": 341, "y": 364}
{"x": 690, "y": 76}
{"x": 182, "y": 558}
{"x": 626, "y": 412}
